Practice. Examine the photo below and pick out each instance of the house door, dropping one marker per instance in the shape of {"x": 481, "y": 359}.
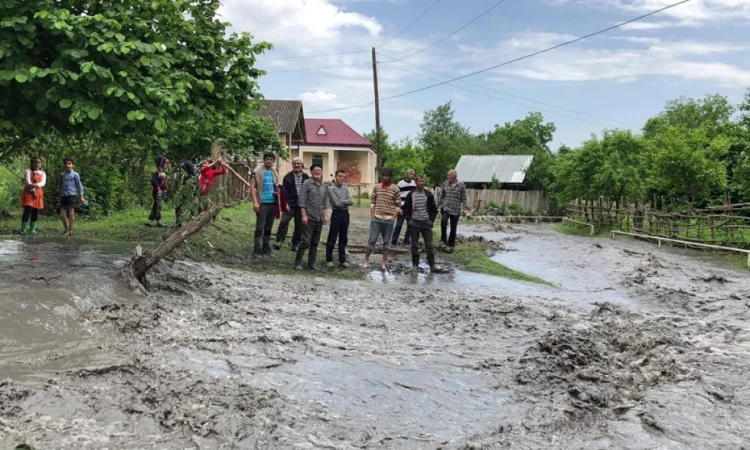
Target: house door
{"x": 317, "y": 159}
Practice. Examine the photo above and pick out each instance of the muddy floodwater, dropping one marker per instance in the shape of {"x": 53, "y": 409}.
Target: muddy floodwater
{"x": 636, "y": 347}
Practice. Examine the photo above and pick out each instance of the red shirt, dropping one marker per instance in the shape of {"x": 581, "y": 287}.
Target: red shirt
{"x": 207, "y": 176}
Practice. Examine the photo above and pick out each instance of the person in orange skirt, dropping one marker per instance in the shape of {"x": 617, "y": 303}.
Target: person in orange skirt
{"x": 32, "y": 199}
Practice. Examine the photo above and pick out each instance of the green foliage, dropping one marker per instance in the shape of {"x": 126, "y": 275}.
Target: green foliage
{"x": 527, "y": 136}
{"x": 443, "y": 141}
{"x": 399, "y": 156}
{"x": 608, "y": 167}
{"x": 119, "y": 67}
{"x": 495, "y": 183}
{"x": 685, "y": 163}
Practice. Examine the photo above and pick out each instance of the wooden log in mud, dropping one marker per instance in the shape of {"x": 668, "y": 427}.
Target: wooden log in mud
{"x": 141, "y": 263}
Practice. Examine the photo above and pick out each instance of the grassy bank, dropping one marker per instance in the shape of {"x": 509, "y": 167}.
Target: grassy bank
{"x": 579, "y": 230}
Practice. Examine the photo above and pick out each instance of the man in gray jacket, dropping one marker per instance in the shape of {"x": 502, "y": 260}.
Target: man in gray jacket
{"x": 312, "y": 202}
{"x": 340, "y": 199}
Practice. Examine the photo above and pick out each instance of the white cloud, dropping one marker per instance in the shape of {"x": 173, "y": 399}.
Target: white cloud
{"x": 301, "y": 27}
{"x": 647, "y": 56}
{"x": 693, "y": 13}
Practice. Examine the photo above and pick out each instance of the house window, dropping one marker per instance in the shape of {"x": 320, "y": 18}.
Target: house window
{"x": 321, "y": 130}
{"x": 317, "y": 159}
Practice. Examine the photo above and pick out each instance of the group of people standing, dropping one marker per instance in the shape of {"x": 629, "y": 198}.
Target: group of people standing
{"x": 32, "y": 196}
{"x": 299, "y": 197}
{"x": 305, "y": 199}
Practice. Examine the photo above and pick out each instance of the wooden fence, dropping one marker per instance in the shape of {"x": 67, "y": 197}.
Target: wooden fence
{"x": 534, "y": 201}
{"x": 729, "y": 228}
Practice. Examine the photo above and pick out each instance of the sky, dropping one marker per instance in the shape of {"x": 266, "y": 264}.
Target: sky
{"x": 614, "y": 80}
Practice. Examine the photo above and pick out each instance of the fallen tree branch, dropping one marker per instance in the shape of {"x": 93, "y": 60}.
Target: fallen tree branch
{"x": 141, "y": 263}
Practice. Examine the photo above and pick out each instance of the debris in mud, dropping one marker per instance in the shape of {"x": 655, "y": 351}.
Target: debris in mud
{"x": 713, "y": 278}
{"x": 647, "y": 269}
{"x": 606, "y": 362}
{"x": 648, "y": 419}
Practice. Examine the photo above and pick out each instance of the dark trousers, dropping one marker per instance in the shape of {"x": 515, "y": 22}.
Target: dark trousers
{"x": 286, "y": 217}
{"x": 29, "y": 214}
{"x": 397, "y": 231}
{"x": 310, "y": 239}
{"x": 263, "y": 223}
{"x": 156, "y": 207}
{"x": 339, "y": 229}
{"x": 444, "y": 226}
{"x": 424, "y": 228}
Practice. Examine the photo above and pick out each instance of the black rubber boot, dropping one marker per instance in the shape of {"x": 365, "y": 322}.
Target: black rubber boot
{"x": 415, "y": 260}
{"x": 298, "y": 259}
{"x": 312, "y": 257}
{"x": 433, "y": 267}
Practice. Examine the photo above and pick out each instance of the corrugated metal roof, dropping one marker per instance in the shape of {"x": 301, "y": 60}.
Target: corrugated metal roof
{"x": 481, "y": 168}
{"x": 287, "y": 115}
{"x": 333, "y": 132}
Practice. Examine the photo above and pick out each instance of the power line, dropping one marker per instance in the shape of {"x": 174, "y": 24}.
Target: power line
{"x": 394, "y": 60}
{"x": 412, "y": 23}
{"x": 500, "y": 99}
{"x": 546, "y": 50}
{"x": 527, "y": 56}
{"x": 319, "y": 68}
{"x": 319, "y": 55}
{"x": 457, "y": 31}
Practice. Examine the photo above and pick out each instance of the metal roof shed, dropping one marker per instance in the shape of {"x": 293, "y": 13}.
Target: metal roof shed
{"x": 481, "y": 168}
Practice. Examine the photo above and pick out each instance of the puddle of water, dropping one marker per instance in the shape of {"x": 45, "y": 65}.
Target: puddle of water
{"x": 46, "y": 285}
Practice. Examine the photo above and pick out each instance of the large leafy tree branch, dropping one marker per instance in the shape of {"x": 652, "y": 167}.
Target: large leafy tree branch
{"x": 121, "y": 67}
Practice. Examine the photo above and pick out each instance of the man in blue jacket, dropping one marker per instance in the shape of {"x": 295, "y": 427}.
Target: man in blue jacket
{"x": 291, "y": 184}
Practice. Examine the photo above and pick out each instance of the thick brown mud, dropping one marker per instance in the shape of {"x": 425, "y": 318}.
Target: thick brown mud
{"x": 636, "y": 348}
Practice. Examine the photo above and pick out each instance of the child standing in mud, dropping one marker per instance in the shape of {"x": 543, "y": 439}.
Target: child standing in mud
{"x": 32, "y": 198}
{"x": 159, "y": 189}
{"x": 70, "y": 188}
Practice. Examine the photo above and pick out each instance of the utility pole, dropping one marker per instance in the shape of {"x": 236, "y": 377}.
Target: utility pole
{"x": 378, "y": 149}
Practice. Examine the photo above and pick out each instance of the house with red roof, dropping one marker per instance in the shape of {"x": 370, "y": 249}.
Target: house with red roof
{"x": 329, "y": 142}
{"x": 335, "y": 145}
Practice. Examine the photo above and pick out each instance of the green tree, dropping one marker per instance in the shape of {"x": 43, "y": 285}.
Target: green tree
{"x": 443, "y": 140}
{"x": 404, "y": 156}
{"x": 686, "y": 163}
{"x": 527, "y": 136}
{"x": 119, "y": 67}
{"x": 713, "y": 113}
{"x": 611, "y": 167}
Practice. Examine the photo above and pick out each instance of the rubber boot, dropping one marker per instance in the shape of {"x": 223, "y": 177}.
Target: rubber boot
{"x": 298, "y": 259}
{"x": 24, "y": 227}
{"x": 312, "y": 257}
{"x": 433, "y": 267}
{"x": 415, "y": 261}
{"x": 33, "y": 227}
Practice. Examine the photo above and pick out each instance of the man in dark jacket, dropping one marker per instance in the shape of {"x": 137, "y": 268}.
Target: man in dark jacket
{"x": 420, "y": 209}
{"x": 159, "y": 190}
{"x": 292, "y": 183}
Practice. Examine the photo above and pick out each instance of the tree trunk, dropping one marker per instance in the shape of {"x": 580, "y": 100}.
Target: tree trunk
{"x": 140, "y": 264}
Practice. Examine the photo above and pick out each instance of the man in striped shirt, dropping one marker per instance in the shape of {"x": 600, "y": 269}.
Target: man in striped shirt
{"x": 405, "y": 186}
{"x": 384, "y": 208}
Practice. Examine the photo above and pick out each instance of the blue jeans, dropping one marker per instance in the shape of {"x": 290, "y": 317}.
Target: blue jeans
{"x": 397, "y": 231}
{"x": 380, "y": 227}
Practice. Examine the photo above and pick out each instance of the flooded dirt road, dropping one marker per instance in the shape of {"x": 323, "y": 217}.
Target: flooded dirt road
{"x": 637, "y": 347}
